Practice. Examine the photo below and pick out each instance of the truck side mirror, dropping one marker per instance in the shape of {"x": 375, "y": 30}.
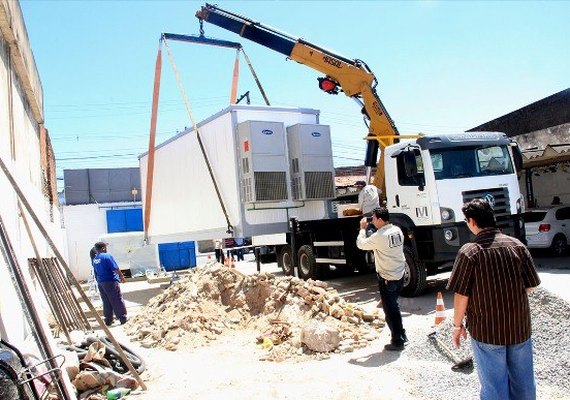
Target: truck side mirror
{"x": 517, "y": 155}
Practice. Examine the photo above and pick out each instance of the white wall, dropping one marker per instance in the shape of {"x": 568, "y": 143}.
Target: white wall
{"x": 83, "y": 224}
{"x": 549, "y": 181}
{"x": 24, "y": 164}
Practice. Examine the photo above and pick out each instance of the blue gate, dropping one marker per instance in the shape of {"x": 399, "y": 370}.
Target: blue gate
{"x": 124, "y": 220}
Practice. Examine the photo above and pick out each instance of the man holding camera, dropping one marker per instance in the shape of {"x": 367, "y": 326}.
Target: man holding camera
{"x": 388, "y": 246}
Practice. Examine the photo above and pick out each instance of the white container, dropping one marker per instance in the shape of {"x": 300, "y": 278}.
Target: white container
{"x": 185, "y": 205}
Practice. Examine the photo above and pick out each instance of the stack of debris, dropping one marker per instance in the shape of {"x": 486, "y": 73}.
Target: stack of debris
{"x": 290, "y": 317}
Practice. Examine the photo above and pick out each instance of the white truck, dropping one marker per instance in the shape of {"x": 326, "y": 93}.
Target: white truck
{"x": 427, "y": 182}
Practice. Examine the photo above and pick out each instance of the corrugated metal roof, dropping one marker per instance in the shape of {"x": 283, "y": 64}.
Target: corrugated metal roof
{"x": 549, "y": 155}
{"x": 551, "y": 111}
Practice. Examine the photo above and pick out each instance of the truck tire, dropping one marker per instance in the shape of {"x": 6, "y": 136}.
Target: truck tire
{"x": 307, "y": 264}
{"x": 285, "y": 260}
{"x": 415, "y": 275}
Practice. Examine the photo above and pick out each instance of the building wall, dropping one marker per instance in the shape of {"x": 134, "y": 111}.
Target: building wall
{"x": 549, "y": 181}
{"x": 21, "y": 119}
{"x": 84, "y": 224}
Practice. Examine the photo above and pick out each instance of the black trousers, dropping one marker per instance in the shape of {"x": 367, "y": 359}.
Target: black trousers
{"x": 219, "y": 255}
{"x": 389, "y": 294}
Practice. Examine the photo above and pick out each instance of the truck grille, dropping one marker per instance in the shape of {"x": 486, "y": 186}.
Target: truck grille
{"x": 502, "y": 203}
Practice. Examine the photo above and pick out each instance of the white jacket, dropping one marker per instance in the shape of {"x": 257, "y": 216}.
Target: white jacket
{"x": 388, "y": 246}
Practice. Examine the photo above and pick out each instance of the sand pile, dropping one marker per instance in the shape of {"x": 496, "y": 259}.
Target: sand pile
{"x": 287, "y": 316}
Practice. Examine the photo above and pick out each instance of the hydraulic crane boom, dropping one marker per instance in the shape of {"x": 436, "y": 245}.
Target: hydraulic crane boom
{"x": 353, "y": 77}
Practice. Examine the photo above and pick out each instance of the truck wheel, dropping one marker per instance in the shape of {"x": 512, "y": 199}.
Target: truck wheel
{"x": 307, "y": 263}
{"x": 285, "y": 260}
{"x": 415, "y": 275}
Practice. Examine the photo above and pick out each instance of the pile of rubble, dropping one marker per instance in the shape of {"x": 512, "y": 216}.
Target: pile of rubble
{"x": 289, "y": 317}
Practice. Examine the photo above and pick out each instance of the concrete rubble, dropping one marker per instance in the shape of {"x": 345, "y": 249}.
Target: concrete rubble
{"x": 288, "y": 317}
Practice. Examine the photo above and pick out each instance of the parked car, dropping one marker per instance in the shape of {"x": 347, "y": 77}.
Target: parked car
{"x": 548, "y": 228}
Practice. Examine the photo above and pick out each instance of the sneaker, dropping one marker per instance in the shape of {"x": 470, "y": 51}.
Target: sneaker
{"x": 109, "y": 323}
{"x": 124, "y": 321}
{"x": 394, "y": 347}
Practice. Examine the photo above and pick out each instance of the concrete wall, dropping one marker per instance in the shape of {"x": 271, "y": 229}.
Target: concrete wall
{"x": 549, "y": 181}
{"x": 84, "y": 224}
{"x": 21, "y": 116}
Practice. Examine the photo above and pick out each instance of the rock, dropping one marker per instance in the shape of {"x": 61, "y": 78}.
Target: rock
{"x": 319, "y": 336}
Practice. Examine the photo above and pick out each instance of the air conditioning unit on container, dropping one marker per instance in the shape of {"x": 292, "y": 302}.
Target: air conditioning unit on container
{"x": 311, "y": 162}
{"x": 263, "y": 161}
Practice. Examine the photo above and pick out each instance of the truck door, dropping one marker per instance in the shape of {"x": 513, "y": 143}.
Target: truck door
{"x": 406, "y": 191}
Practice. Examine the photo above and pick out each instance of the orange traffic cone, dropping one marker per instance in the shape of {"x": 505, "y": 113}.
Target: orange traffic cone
{"x": 439, "y": 310}
{"x": 226, "y": 262}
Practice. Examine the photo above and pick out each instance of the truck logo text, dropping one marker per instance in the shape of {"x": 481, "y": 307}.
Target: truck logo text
{"x": 332, "y": 61}
{"x": 267, "y": 132}
{"x": 488, "y": 197}
{"x": 316, "y": 134}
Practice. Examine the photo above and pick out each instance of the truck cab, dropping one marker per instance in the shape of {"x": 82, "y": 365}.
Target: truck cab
{"x": 431, "y": 177}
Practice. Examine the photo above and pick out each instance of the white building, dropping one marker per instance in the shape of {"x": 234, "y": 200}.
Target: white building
{"x": 26, "y": 154}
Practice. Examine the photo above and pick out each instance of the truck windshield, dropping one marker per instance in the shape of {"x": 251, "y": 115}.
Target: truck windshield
{"x": 463, "y": 162}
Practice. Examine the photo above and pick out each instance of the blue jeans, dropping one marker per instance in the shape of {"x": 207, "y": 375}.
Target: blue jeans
{"x": 505, "y": 372}
{"x": 389, "y": 293}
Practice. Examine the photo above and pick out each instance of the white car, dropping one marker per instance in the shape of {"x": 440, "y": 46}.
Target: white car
{"x": 548, "y": 228}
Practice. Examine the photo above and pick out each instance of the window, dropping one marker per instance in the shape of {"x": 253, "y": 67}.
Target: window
{"x": 403, "y": 178}
{"x": 466, "y": 162}
{"x": 563, "y": 213}
{"x": 534, "y": 216}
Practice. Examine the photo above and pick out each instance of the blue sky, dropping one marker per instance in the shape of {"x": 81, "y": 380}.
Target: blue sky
{"x": 442, "y": 66}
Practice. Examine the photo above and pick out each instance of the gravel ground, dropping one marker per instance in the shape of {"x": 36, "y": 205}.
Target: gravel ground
{"x": 551, "y": 340}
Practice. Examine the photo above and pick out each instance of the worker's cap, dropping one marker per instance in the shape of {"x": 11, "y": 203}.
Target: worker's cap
{"x": 100, "y": 245}
{"x": 360, "y": 183}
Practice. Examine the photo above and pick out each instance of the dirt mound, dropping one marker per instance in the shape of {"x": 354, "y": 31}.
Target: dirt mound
{"x": 286, "y": 315}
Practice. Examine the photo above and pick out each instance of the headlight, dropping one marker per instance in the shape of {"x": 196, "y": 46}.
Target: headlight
{"x": 446, "y": 213}
{"x": 449, "y": 234}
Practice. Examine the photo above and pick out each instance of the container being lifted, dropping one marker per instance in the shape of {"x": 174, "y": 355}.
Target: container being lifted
{"x": 269, "y": 163}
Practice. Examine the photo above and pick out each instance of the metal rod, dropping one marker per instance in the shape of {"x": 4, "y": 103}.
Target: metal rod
{"x": 72, "y": 279}
{"x": 29, "y": 309}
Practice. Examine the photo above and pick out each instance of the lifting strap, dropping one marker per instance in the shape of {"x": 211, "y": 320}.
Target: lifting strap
{"x": 230, "y": 228}
{"x": 255, "y": 77}
{"x": 151, "y": 142}
{"x": 235, "y": 78}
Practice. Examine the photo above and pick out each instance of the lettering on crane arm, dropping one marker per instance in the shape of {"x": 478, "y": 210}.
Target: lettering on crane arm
{"x": 377, "y": 108}
{"x": 332, "y": 61}
{"x": 395, "y": 240}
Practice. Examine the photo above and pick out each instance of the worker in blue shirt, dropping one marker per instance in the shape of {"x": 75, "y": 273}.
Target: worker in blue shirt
{"x": 108, "y": 276}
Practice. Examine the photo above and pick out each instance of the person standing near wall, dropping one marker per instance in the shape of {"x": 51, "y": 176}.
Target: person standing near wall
{"x": 109, "y": 276}
{"x": 239, "y": 252}
{"x": 491, "y": 278}
{"x": 218, "y": 250}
